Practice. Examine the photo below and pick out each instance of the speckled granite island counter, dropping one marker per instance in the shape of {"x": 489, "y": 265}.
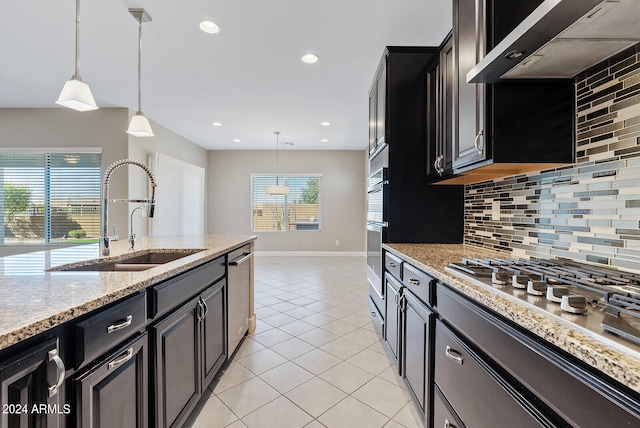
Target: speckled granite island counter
{"x": 33, "y": 299}
{"x": 618, "y": 359}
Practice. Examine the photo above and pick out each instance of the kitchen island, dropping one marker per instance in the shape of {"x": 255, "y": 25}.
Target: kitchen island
{"x": 33, "y": 299}
{"x": 74, "y": 326}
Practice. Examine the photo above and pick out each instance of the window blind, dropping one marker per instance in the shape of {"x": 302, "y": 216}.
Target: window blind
{"x": 50, "y": 197}
{"x": 297, "y": 211}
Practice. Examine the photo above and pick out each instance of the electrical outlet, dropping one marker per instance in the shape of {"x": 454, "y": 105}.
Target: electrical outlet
{"x": 337, "y": 242}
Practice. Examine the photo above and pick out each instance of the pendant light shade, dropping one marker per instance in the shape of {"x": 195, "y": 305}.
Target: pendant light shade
{"x": 139, "y": 125}
{"x": 277, "y": 189}
{"x": 76, "y": 94}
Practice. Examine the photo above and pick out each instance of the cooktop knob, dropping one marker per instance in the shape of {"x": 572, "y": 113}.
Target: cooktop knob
{"x": 500, "y": 277}
{"x": 574, "y": 304}
{"x": 520, "y": 281}
{"x": 537, "y": 288}
{"x": 554, "y": 293}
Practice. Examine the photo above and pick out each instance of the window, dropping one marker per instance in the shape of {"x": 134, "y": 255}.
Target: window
{"x": 50, "y": 197}
{"x": 299, "y": 210}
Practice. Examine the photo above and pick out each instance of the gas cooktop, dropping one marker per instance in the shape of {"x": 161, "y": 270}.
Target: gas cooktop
{"x": 606, "y": 302}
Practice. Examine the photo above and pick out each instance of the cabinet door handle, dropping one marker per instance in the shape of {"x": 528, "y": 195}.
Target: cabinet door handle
{"x": 119, "y": 326}
{"x": 453, "y": 355}
{"x": 448, "y": 424}
{"x": 200, "y": 309}
{"x": 414, "y": 281}
{"x": 206, "y": 309}
{"x": 391, "y": 264}
{"x": 60, "y": 371}
{"x": 403, "y": 303}
{"x": 476, "y": 143}
{"x": 126, "y": 356}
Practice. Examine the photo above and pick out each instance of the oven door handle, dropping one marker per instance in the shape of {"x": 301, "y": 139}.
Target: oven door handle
{"x": 376, "y": 226}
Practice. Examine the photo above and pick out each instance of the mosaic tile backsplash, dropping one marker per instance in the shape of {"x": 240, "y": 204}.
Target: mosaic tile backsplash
{"x": 588, "y": 211}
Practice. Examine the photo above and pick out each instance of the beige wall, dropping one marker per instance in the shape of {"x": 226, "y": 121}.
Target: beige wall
{"x": 341, "y": 189}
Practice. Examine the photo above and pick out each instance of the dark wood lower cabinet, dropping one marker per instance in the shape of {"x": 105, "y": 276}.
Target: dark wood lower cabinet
{"x": 189, "y": 349}
{"x": 213, "y": 328}
{"x": 392, "y": 314}
{"x": 26, "y": 393}
{"x": 114, "y": 393}
{"x": 177, "y": 361}
{"x": 417, "y": 331}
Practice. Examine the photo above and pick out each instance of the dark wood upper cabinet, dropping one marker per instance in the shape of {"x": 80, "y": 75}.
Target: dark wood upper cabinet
{"x": 509, "y": 127}
{"x": 440, "y": 129}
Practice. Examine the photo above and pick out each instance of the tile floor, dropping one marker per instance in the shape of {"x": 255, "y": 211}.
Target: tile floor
{"x": 314, "y": 360}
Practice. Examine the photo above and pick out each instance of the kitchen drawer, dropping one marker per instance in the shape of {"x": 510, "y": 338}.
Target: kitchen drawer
{"x": 443, "y": 414}
{"x": 107, "y": 328}
{"x": 560, "y": 385}
{"x": 173, "y": 292}
{"x": 418, "y": 282}
{"x": 393, "y": 264}
{"x": 476, "y": 392}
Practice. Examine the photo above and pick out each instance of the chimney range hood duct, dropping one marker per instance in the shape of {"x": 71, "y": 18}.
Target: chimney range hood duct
{"x": 560, "y": 39}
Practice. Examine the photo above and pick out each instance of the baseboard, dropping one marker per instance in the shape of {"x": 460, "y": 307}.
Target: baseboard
{"x": 311, "y": 253}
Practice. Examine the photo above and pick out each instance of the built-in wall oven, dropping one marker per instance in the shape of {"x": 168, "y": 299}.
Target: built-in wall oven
{"x": 377, "y": 222}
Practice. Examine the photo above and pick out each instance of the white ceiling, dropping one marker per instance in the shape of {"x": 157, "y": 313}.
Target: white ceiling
{"x": 249, "y": 77}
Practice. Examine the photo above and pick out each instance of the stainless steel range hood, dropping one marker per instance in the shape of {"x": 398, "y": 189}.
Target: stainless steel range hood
{"x": 560, "y": 39}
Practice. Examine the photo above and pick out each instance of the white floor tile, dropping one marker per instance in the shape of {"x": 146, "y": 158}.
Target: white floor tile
{"x": 317, "y": 361}
{"x": 383, "y": 396}
{"x": 316, "y": 396}
{"x": 286, "y": 376}
{"x": 233, "y": 375}
{"x": 292, "y": 348}
{"x": 280, "y": 413}
{"x": 351, "y": 413}
{"x": 371, "y": 361}
{"x": 347, "y": 377}
{"x": 342, "y": 348}
{"x": 261, "y": 361}
{"x": 248, "y": 396}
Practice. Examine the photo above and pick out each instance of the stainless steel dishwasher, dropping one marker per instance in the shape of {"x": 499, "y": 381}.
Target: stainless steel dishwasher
{"x": 238, "y": 289}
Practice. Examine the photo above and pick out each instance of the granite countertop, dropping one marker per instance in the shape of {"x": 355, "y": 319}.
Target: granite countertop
{"x": 33, "y": 300}
{"x": 621, "y": 362}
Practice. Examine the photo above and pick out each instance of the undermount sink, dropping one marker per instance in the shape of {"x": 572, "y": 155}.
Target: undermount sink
{"x": 139, "y": 261}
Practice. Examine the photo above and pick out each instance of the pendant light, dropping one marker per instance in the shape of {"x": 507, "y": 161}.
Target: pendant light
{"x": 139, "y": 126}
{"x": 277, "y": 189}
{"x": 76, "y": 94}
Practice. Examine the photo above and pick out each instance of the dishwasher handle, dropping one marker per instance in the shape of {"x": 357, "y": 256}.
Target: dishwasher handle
{"x": 240, "y": 259}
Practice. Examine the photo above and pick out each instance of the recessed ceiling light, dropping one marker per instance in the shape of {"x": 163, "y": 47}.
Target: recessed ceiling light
{"x": 236, "y": 140}
{"x": 324, "y": 141}
{"x": 310, "y": 58}
{"x": 216, "y": 124}
{"x": 325, "y": 123}
{"x": 209, "y": 27}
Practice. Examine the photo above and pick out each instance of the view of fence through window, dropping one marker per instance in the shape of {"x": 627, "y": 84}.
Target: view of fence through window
{"x": 299, "y": 210}
{"x": 49, "y": 197}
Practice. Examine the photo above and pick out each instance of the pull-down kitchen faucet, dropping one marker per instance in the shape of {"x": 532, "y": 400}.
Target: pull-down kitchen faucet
{"x": 104, "y": 239}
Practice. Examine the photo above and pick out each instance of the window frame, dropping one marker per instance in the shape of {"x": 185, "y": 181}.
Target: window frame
{"x": 280, "y": 177}
{"x": 47, "y": 154}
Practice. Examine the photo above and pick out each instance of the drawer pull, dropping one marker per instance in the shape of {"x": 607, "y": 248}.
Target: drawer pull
{"x": 119, "y": 326}
{"x": 374, "y": 314}
{"x": 126, "y": 356}
{"x": 453, "y": 355}
{"x": 391, "y": 264}
{"x": 60, "y": 371}
{"x": 448, "y": 424}
{"x": 414, "y": 281}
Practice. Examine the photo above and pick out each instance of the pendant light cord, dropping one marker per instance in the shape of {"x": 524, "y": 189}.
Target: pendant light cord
{"x": 77, "y": 73}
{"x": 277, "y": 158}
{"x": 140, "y": 65}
